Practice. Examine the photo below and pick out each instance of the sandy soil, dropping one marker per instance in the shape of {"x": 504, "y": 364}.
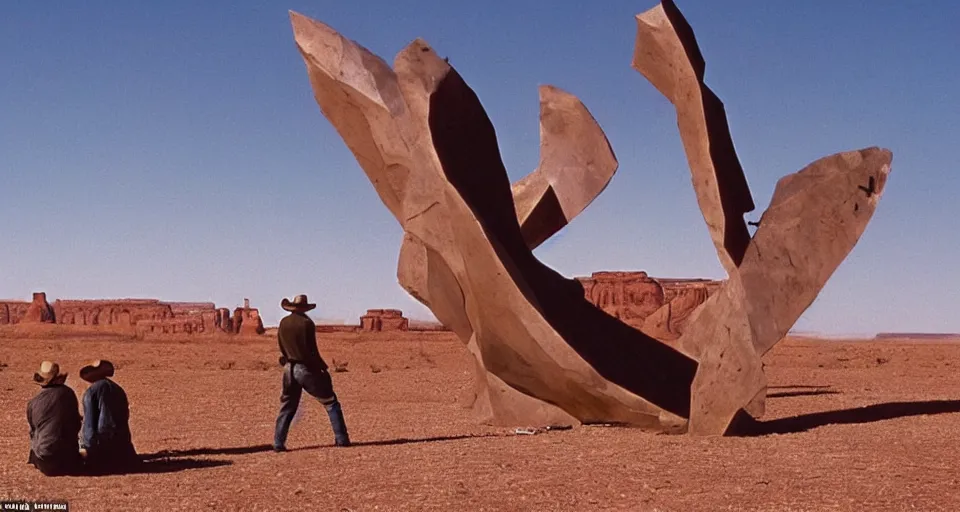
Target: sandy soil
{"x": 849, "y": 426}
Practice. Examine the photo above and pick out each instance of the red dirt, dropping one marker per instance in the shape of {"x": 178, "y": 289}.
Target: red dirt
{"x": 215, "y": 402}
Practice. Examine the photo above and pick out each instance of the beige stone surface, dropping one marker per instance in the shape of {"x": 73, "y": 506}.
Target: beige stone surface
{"x": 576, "y": 164}
{"x": 815, "y": 218}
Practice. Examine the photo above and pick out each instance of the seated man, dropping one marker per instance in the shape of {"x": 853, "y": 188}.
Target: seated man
{"x": 106, "y": 416}
{"x": 54, "y": 423}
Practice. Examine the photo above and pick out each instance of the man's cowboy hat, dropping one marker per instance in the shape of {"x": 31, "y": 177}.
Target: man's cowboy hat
{"x": 96, "y": 370}
{"x": 299, "y": 303}
{"x": 49, "y": 374}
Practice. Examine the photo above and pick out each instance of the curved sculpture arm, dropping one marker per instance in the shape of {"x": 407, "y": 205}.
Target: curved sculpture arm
{"x": 576, "y": 164}
{"x": 666, "y": 53}
{"x": 358, "y": 93}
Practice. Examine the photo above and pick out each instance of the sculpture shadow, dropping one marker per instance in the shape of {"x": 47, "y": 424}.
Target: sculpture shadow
{"x": 799, "y": 386}
{"x": 401, "y": 441}
{"x": 261, "y": 448}
{"x": 810, "y": 392}
{"x": 749, "y": 427}
{"x": 237, "y": 450}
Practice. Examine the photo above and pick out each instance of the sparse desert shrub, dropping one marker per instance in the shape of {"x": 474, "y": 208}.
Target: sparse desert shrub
{"x": 339, "y": 367}
{"x": 375, "y": 369}
{"x": 227, "y": 365}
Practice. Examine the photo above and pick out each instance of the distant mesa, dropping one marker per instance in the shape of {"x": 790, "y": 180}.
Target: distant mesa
{"x": 657, "y": 306}
{"x": 142, "y": 316}
{"x": 375, "y": 320}
{"x": 384, "y": 320}
{"x": 917, "y": 336}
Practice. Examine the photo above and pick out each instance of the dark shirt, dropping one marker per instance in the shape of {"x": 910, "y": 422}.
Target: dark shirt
{"x": 297, "y": 336}
{"x": 106, "y": 415}
{"x": 54, "y": 423}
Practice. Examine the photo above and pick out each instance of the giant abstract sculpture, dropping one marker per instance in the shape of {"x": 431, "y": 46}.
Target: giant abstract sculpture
{"x": 543, "y": 353}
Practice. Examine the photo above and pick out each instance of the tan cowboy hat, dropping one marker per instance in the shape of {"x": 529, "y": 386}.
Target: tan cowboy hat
{"x": 99, "y": 369}
{"x": 49, "y": 374}
{"x": 299, "y": 303}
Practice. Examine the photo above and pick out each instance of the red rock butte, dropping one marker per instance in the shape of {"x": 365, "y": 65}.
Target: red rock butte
{"x": 658, "y": 306}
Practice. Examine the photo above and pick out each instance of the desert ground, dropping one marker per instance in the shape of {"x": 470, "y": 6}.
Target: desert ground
{"x": 849, "y": 426}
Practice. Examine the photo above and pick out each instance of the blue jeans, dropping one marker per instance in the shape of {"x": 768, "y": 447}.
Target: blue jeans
{"x": 296, "y": 379}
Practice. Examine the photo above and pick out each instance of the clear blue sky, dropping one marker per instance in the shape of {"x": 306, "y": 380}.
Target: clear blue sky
{"x": 173, "y": 149}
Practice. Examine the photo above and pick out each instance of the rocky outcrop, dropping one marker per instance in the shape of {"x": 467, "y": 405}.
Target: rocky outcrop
{"x": 246, "y": 320}
{"x": 222, "y": 321}
{"x": 39, "y": 311}
{"x": 13, "y": 311}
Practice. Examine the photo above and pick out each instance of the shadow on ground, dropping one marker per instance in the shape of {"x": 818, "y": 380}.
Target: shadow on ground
{"x": 162, "y": 465}
{"x": 746, "y": 426}
{"x": 244, "y": 450}
{"x": 799, "y": 386}
{"x": 238, "y": 450}
{"x": 811, "y": 392}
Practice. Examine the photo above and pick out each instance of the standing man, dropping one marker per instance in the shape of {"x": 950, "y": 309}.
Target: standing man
{"x": 54, "y": 421}
{"x": 106, "y": 421}
{"x": 304, "y": 369}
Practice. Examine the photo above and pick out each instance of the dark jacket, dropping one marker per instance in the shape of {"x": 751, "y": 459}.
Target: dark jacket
{"x": 106, "y": 416}
{"x": 297, "y": 336}
{"x": 54, "y": 423}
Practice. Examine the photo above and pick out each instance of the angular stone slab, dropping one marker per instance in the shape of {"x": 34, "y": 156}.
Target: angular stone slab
{"x": 730, "y": 375}
{"x": 497, "y": 403}
{"x": 815, "y": 218}
{"x": 576, "y": 164}
{"x": 666, "y": 53}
